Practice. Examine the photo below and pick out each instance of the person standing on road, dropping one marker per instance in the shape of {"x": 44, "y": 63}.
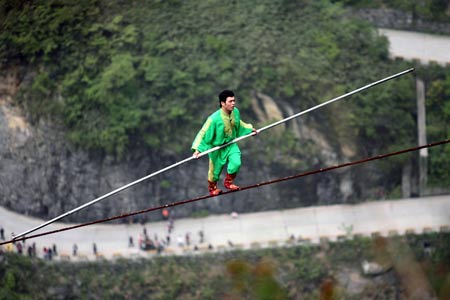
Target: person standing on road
{"x": 188, "y": 239}
{"x": 201, "y": 235}
{"x": 221, "y": 127}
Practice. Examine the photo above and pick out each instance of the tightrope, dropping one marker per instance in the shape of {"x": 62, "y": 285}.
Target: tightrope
{"x": 107, "y": 195}
{"x": 326, "y": 169}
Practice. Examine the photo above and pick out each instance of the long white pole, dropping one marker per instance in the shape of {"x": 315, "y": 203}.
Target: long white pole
{"x": 208, "y": 151}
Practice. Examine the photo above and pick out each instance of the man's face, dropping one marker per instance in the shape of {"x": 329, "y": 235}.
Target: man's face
{"x": 228, "y": 105}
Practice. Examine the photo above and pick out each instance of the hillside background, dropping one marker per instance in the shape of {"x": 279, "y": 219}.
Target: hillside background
{"x": 96, "y": 94}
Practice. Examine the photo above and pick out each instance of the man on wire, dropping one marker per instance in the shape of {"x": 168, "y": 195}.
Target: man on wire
{"x": 221, "y": 127}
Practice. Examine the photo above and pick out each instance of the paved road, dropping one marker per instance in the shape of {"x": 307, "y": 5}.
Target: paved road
{"x": 249, "y": 230}
{"x": 419, "y": 46}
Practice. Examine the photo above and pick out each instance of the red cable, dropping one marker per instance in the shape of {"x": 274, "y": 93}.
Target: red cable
{"x": 381, "y": 156}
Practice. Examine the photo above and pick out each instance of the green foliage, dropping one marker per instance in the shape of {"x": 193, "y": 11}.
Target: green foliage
{"x": 122, "y": 75}
{"x": 8, "y": 287}
{"x": 307, "y": 267}
{"x": 386, "y": 122}
{"x": 136, "y": 75}
{"x": 278, "y": 273}
{"x": 254, "y": 281}
{"x": 13, "y": 279}
{"x": 357, "y": 248}
{"x": 438, "y": 127}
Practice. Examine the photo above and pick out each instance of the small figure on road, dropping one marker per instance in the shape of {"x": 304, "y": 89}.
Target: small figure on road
{"x": 202, "y": 236}
{"x": 168, "y": 239}
{"x": 188, "y": 239}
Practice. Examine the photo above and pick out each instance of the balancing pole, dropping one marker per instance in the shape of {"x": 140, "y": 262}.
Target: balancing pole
{"x": 209, "y": 151}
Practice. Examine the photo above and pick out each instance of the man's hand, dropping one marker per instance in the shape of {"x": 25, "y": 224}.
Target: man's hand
{"x": 255, "y": 131}
{"x": 196, "y": 154}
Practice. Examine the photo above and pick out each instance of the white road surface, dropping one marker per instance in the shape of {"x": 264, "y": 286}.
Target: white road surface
{"x": 422, "y": 47}
{"x": 248, "y": 230}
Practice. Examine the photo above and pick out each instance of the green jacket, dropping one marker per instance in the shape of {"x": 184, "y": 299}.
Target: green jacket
{"x": 220, "y": 128}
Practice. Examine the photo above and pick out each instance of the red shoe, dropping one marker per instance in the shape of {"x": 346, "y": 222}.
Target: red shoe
{"x": 228, "y": 182}
{"x": 212, "y": 188}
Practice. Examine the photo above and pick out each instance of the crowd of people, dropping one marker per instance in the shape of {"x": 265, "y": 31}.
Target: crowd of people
{"x": 23, "y": 248}
{"x": 146, "y": 242}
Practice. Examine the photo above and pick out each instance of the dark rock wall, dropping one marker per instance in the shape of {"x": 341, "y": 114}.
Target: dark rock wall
{"x": 43, "y": 175}
{"x": 396, "y": 19}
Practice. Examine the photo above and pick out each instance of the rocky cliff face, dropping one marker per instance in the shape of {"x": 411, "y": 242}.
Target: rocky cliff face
{"x": 42, "y": 175}
{"x": 397, "y": 19}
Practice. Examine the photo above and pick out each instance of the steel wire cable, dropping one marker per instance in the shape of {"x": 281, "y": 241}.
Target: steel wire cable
{"x": 308, "y": 173}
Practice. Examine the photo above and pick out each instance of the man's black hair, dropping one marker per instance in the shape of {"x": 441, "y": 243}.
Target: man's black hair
{"x": 224, "y": 95}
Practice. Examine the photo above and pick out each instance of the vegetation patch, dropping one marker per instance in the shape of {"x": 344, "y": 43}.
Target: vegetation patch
{"x": 297, "y": 272}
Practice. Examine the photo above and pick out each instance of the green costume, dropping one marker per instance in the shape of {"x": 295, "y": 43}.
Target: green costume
{"x": 221, "y": 128}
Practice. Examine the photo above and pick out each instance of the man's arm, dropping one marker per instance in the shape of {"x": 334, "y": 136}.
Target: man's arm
{"x": 245, "y": 128}
{"x": 203, "y": 139}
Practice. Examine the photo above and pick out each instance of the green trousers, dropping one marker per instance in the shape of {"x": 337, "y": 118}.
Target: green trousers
{"x": 218, "y": 159}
